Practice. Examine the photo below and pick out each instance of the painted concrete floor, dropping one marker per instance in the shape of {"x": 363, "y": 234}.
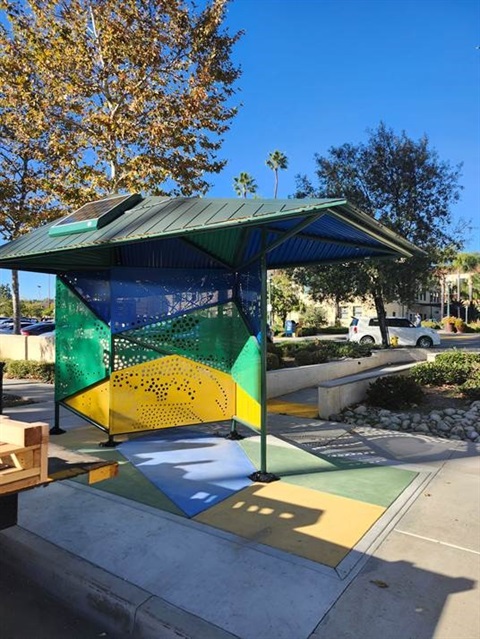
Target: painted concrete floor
{"x": 320, "y": 509}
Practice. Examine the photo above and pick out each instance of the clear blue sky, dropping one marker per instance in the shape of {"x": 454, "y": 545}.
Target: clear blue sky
{"x": 318, "y": 73}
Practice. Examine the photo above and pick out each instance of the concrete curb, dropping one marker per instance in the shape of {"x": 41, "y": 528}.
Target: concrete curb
{"x": 123, "y": 609}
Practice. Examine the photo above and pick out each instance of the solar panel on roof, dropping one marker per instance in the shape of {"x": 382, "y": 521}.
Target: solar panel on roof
{"x": 94, "y": 215}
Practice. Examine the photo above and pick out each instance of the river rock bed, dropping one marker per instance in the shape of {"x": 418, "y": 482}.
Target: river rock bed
{"x": 448, "y": 423}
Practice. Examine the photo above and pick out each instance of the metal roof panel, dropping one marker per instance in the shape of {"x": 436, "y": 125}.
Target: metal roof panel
{"x": 157, "y": 218}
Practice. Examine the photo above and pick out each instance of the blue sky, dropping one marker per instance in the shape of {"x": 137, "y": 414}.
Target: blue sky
{"x": 318, "y": 73}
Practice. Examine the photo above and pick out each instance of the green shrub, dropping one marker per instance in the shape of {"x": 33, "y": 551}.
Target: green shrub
{"x": 322, "y": 351}
{"x": 313, "y": 318}
{"x": 273, "y": 362}
{"x": 310, "y": 355}
{"x": 455, "y": 357}
{"x": 428, "y": 374}
{"x": 275, "y": 349}
{"x": 454, "y": 367}
{"x": 354, "y": 350}
{"x": 23, "y": 369}
{"x": 394, "y": 392}
{"x": 471, "y": 388}
{"x": 305, "y": 358}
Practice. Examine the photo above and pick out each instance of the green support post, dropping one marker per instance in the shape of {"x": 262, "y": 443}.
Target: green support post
{"x": 263, "y": 475}
{"x": 56, "y": 430}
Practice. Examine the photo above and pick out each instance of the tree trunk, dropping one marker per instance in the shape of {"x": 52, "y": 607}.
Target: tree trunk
{"x": 381, "y": 314}
{"x": 337, "y": 311}
{"x": 16, "y": 303}
{"x": 276, "y": 185}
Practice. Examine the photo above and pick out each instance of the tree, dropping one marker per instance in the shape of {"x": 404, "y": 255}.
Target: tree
{"x": 5, "y": 300}
{"x": 330, "y": 282}
{"x": 466, "y": 268}
{"x": 276, "y": 160}
{"x": 142, "y": 89}
{"x": 99, "y": 96}
{"x": 244, "y": 184}
{"x": 284, "y": 295}
{"x": 466, "y": 263}
{"x": 27, "y": 159}
{"x": 403, "y": 184}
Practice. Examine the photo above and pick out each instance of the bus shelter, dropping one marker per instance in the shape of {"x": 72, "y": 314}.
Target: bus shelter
{"x": 161, "y": 302}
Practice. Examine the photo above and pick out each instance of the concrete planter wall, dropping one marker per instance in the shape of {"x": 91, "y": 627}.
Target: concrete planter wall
{"x": 288, "y": 380}
{"x": 35, "y": 347}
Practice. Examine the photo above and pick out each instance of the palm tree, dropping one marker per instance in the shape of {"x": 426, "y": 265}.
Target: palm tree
{"x": 243, "y": 184}
{"x": 275, "y": 161}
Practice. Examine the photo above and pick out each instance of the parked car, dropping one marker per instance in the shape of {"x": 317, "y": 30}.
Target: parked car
{"x": 366, "y": 330}
{"x": 7, "y": 327}
{"x": 40, "y": 328}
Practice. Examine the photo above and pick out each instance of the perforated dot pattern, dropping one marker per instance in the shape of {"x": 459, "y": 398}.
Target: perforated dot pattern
{"x": 127, "y": 353}
{"x": 82, "y": 344}
{"x": 214, "y": 336}
{"x": 145, "y": 296}
{"x": 169, "y": 392}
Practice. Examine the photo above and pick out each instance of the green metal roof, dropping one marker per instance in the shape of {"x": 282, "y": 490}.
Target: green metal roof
{"x": 211, "y": 233}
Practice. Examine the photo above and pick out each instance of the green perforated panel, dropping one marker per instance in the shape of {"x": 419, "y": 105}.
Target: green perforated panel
{"x": 82, "y": 344}
{"x": 246, "y": 370}
{"x": 214, "y": 336}
{"x": 127, "y": 353}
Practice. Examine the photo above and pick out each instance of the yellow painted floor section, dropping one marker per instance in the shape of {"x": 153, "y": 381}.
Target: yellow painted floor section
{"x": 315, "y": 525}
{"x": 291, "y": 408}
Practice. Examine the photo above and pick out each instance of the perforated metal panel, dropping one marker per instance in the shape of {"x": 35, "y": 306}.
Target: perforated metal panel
{"x": 93, "y": 289}
{"x": 176, "y": 345}
{"x": 82, "y": 344}
{"x": 214, "y": 336}
{"x": 170, "y": 392}
{"x": 246, "y": 369}
{"x": 94, "y": 403}
{"x": 141, "y": 297}
{"x": 248, "y": 296}
{"x": 127, "y": 353}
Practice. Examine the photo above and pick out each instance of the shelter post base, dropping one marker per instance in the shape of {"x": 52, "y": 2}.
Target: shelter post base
{"x": 234, "y": 434}
{"x": 110, "y": 443}
{"x": 263, "y": 477}
{"x": 56, "y": 430}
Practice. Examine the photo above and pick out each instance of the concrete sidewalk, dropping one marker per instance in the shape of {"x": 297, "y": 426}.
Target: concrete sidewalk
{"x": 144, "y": 573}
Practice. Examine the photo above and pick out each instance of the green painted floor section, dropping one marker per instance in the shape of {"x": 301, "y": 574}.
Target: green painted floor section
{"x": 379, "y": 485}
{"x": 129, "y": 483}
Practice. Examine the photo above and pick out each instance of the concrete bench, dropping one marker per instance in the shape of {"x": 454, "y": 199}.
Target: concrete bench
{"x": 337, "y": 394}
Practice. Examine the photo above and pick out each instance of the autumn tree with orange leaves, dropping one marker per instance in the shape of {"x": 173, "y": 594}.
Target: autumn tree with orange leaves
{"x": 101, "y": 96}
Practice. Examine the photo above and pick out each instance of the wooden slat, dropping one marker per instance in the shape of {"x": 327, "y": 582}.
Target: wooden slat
{"x": 13, "y": 474}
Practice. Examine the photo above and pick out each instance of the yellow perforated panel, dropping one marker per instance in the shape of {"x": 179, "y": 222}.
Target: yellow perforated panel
{"x": 171, "y": 391}
{"x": 93, "y": 402}
{"x": 248, "y": 409}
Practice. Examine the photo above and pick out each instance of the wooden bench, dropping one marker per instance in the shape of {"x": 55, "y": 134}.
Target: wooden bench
{"x": 23, "y": 455}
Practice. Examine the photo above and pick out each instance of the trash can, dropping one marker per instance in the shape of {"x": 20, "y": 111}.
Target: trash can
{"x": 289, "y": 328}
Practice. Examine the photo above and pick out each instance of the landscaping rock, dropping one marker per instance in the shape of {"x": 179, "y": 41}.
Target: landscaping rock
{"x": 360, "y": 410}
{"x": 451, "y": 423}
